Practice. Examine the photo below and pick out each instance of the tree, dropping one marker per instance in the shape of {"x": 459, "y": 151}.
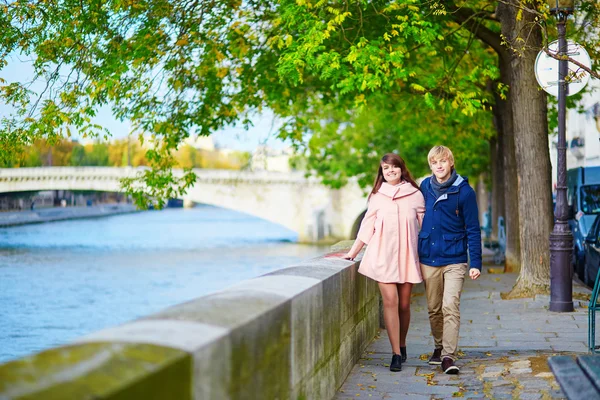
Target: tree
{"x": 521, "y": 120}
{"x": 346, "y": 144}
{"x": 181, "y": 68}
{"x": 480, "y": 19}
{"x": 97, "y": 155}
{"x": 78, "y": 156}
{"x": 171, "y": 68}
{"x": 328, "y": 54}
{"x": 526, "y": 28}
{"x": 470, "y": 33}
{"x": 189, "y": 157}
{"x": 530, "y": 125}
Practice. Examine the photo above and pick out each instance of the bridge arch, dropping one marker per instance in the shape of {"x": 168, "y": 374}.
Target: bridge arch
{"x": 301, "y": 204}
{"x": 356, "y": 225}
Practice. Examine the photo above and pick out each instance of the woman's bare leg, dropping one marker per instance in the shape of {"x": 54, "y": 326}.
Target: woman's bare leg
{"x": 389, "y": 293}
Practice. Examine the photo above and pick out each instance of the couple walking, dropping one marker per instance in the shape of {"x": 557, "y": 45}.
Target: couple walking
{"x": 415, "y": 234}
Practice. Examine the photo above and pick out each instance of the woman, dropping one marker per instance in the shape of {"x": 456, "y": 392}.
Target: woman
{"x": 391, "y": 229}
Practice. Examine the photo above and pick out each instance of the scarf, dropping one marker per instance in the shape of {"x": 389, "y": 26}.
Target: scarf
{"x": 441, "y": 188}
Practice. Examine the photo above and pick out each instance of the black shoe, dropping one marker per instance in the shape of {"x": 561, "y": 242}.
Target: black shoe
{"x": 403, "y": 353}
{"x": 436, "y": 357}
{"x": 449, "y": 367}
{"x": 396, "y": 364}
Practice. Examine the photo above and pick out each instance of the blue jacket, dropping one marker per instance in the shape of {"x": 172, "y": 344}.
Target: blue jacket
{"x": 450, "y": 226}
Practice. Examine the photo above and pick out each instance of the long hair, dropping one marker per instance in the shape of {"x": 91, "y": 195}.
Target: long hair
{"x": 396, "y": 160}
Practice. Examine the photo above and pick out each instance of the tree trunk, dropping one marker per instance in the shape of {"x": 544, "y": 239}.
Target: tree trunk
{"x": 497, "y": 161}
{"x": 504, "y": 125}
{"x": 509, "y": 165}
{"x": 528, "y": 105}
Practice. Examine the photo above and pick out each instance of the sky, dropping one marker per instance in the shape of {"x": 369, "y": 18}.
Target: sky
{"x": 236, "y": 137}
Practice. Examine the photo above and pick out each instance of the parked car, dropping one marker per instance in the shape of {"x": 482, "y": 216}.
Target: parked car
{"x": 583, "y": 194}
{"x": 592, "y": 254}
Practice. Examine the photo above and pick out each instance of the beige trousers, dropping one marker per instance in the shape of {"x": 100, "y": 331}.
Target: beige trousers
{"x": 443, "y": 286}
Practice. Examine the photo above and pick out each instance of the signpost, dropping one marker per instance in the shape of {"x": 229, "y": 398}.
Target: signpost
{"x": 546, "y": 69}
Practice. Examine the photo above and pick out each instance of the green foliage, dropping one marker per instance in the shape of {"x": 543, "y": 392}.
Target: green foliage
{"x": 347, "y": 78}
{"x": 179, "y": 68}
{"x": 171, "y": 68}
{"x": 93, "y": 156}
{"x": 162, "y": 184}
{"x": 190, "y": 157}
{"x": 98, "y": 155}
{"x": 363, "y": 48}
{"x": 352, "y": 144}
{"x": 121, "y": 153}
{"x": 389, "y": 76}
{"x": 78, "y": 156}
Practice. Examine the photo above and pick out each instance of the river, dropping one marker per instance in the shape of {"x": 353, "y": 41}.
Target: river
{"x": 65, "y": 279}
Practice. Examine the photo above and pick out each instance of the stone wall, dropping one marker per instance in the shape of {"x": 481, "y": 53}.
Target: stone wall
{"x": 292, "y": 334}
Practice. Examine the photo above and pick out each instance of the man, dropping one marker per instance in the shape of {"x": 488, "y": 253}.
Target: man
{"x": 450, "y": 234}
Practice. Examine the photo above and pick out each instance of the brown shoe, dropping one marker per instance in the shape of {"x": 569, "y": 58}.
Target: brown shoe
{"x": 436, "y": 357}
{"x": 448, "y": 366}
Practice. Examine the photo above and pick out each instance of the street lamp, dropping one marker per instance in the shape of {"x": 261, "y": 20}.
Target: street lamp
{"x": 561, "y": 239}
{"x": 557, "y": 7}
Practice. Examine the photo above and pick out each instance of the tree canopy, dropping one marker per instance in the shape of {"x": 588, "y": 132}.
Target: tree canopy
{"x": 392, "y": 77}
{"x": 172, "y": 68}
{"x": 176, "y": 69}
{"x": 350, "y": 79}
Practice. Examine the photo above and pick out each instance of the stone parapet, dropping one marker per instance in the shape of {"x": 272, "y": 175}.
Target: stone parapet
{"x": 292, "y": 334}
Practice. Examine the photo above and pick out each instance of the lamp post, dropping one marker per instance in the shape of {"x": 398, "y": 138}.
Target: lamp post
{"x": 561, "y": 239}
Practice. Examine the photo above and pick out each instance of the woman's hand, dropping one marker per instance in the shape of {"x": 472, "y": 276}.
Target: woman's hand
{"x": 354, "y": 250}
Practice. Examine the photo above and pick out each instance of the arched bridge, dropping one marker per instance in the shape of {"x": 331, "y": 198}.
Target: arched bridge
{"x": 301, "y": 204}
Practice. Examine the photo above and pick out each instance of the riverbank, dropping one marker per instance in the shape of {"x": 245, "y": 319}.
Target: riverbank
{"x": 297, "y": 332}
{"x": 16, "y": 218}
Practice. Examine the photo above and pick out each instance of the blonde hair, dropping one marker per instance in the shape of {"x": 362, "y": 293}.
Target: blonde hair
{"x": 439, "y": 152}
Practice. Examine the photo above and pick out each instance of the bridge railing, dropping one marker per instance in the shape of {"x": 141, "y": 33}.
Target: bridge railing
{"x": 122, "y": 172}
{"x": 59, "y": 171}
{"x": 294, "y": 333}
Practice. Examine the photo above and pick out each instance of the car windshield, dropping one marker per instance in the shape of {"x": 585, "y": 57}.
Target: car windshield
{"x": 590, "y": 199}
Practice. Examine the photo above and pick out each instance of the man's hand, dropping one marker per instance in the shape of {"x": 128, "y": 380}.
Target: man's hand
{"x": 474, "y": 273}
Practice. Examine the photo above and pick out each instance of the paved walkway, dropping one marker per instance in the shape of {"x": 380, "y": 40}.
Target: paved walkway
{"x": 504, "y": 347}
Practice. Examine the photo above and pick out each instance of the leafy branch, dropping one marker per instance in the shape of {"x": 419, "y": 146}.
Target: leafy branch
{"x": 558, "y": 57}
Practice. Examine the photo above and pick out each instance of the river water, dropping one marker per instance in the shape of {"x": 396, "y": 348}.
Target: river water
{"x": 65, "y": 279}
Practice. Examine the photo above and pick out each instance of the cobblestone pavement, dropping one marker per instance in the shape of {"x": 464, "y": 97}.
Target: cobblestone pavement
{"x": 504, "y": 348}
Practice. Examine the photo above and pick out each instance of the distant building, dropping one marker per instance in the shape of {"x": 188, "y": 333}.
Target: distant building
{"x": 201, "y": 142}
{"x": 583, "y": 133}
{"x": 265, "y": 158}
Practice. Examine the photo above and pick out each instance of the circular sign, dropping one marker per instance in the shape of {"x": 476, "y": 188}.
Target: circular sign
{"x": 546, "y": 69}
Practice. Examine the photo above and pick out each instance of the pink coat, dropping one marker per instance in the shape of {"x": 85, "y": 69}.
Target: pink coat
{"x": 390, "y": 228}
